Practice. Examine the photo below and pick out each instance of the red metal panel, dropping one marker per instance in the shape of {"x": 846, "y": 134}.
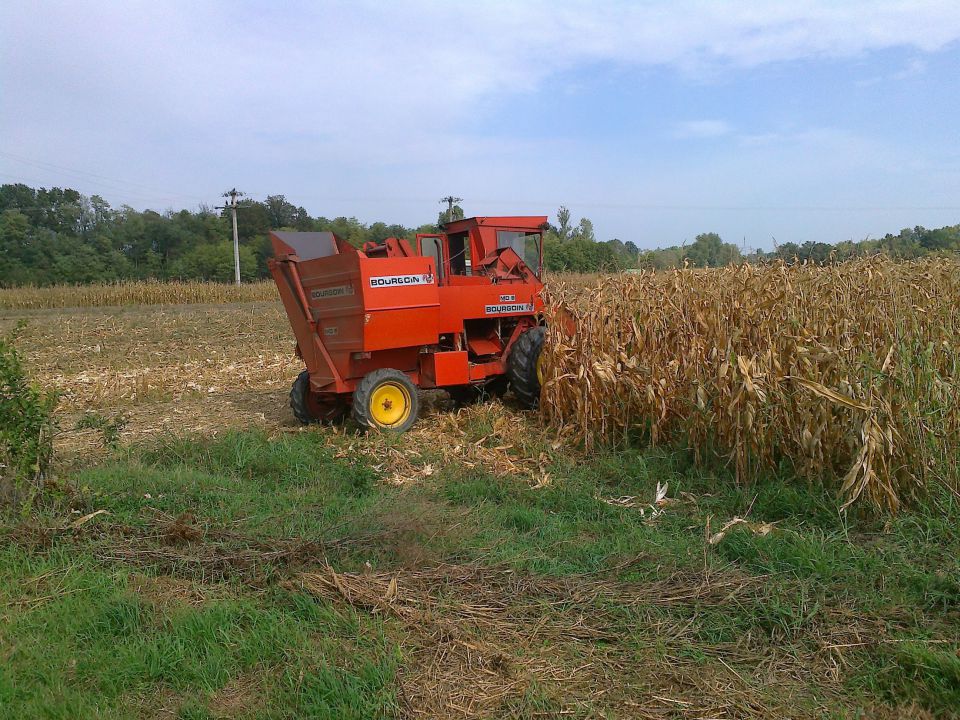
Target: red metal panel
{"x": 483, "y": 346}
{"x": 332, "y": 286}
{"x": 481, "y": 371}
{"x": 443, "y": 369}
{"x": 517, "y": 222}
{"x": 386, "y": 329}
{"x": 466, "y": 302}
{"x": 401, "y": 302}
{"x": 319, "y": 365}
{"x": 398, "y": 282}
{"x": 404, "y": 359}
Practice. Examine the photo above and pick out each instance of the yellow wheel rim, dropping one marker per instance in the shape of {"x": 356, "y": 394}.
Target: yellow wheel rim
{"x": 540, "y": 368}
{"x": 390, "y": 404}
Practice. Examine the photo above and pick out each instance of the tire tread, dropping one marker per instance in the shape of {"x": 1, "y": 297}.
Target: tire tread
{"x": 522, "y": 366}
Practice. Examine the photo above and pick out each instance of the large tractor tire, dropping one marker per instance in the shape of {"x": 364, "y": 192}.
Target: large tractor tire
{"x": 309, "y": 407}
{"x": 386, "y": 400}
{"x": 523, "y": 367}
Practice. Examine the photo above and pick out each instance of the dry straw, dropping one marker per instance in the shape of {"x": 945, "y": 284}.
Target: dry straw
{"x": 145, "y": 292}
{"x": 846, "y": 372}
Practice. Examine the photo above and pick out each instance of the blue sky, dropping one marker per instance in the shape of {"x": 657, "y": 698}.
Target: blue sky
{"x": 657, "y": 120}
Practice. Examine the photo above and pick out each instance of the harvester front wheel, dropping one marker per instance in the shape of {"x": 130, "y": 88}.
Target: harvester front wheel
{"x": 523, "y": 367}
{"x": 310, "y": 407}
{"x": 386, "y": 399}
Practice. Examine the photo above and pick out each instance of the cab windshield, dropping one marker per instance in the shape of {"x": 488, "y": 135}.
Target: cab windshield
{"x": 525, "y": 243}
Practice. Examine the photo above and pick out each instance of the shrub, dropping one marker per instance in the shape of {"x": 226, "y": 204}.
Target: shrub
{"x": 110, "y": 427}
{"x": 26, "y": 426}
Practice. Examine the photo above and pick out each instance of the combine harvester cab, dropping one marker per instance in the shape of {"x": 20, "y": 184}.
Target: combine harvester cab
{"x": 373, "y": 325}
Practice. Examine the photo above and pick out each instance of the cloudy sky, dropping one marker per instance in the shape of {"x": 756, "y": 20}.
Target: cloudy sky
{"x": 657, "y": 120}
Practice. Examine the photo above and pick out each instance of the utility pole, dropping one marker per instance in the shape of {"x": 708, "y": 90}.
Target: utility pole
{"x": 232, "y": 207}
{"x": 450, "y": 200}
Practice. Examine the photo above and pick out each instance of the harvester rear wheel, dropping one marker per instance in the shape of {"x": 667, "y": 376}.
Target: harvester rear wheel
{"x": 310, "y": 407}
{"x": 523, "y": 367}
{"x": 386, "y": 399}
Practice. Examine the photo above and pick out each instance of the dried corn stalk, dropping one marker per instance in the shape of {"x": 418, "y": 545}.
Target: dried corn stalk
{"x": 140, "y": 292}
{"x": 846, "y": 372}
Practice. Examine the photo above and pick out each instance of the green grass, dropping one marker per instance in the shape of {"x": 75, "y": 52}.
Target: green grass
{"x": 88, "y": 631}
{"x": 85, "y": 641}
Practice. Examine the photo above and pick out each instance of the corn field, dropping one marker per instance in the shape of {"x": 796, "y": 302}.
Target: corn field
{"x": 144, "y": 292}
{"x": 846, "y": 373}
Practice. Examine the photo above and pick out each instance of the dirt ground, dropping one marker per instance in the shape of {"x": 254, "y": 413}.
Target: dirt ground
{"x": 205, "y": 369}
{"x": 185, "y": 368}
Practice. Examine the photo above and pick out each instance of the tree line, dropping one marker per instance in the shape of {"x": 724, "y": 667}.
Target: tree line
{"x": 709, "y": 250}
{"x": 57, "y": 235}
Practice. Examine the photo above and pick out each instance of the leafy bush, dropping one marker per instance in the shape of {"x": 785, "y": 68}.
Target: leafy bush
{"x": 109, "y": 427}
{"x": 26, "y": 424}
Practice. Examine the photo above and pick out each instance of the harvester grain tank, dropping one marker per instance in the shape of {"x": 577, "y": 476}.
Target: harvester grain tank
{"x": 456, "y": 310}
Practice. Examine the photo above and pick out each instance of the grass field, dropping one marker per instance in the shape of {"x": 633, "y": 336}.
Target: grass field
{"x": 217, "y": 561}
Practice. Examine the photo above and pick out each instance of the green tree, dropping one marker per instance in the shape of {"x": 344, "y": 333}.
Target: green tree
{"x": 564, "y": 230}
{"x": 449, "y": 215}
{"x": 57, "y": 235}
{"x": 214, "y": 261}
{"x": 280, "y": 212}
{"x": 584, "y": 231}
{"x": 253, "y": 220}
{"x": 17, "y": 252}
{"x": 709, "y": 250}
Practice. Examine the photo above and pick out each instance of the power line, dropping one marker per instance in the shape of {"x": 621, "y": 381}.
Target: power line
{"x": 103, "y": 180}
{"x": 115, "y": 195}
{"x": 738, "y": 208}
{"x": 369, "y": 199}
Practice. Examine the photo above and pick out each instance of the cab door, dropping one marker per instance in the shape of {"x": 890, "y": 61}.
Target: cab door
{"x": 433, "y": 246}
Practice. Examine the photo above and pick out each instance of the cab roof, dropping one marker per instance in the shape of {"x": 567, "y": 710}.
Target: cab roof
{"x": 512, "y": 222}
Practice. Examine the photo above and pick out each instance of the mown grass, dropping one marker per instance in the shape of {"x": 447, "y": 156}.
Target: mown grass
{"x": 98, "y": 622}
{"x": 82, "y": 640}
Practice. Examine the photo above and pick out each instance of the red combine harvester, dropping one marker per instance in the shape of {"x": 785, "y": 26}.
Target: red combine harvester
{"x": 459, "y": 312}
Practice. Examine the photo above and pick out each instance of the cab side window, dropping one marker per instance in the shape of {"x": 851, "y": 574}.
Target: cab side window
{"x": 460, "y": 254}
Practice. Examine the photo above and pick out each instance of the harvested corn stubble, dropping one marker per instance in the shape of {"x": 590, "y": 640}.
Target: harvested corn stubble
{"x": 847, "y": 372}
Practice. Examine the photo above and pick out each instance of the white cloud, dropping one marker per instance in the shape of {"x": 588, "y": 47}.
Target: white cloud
{"x": 379, "y": 71}
{"x": 914, "y": 67}
{"x": 702, "y": 129}
{"x": 334, "y": 95}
